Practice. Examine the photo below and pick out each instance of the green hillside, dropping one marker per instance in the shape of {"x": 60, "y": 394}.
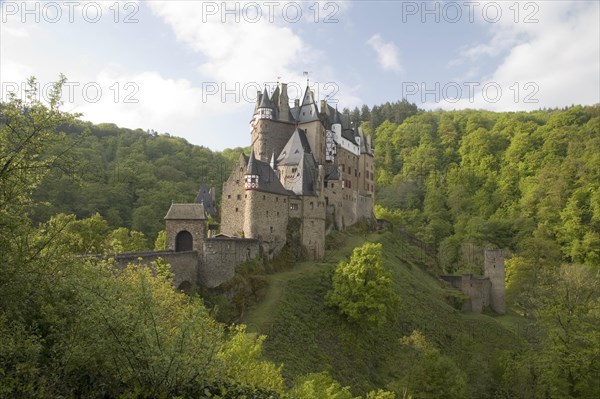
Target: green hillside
{"x": 307, "y": 336}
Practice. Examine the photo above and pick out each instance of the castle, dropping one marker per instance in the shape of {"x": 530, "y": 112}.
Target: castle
{"x": 306, "y": 162}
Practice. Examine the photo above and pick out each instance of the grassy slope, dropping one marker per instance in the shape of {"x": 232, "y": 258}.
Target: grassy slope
{"x": 306, "y": 336}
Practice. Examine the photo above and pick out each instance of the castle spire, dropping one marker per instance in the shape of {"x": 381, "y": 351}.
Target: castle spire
{"x": 251, "y": 177}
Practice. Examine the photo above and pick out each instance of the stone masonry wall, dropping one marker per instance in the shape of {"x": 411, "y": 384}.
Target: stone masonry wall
{"x": 269, "y": 136}
{"x": 478, "y": 289}
{"x": 266, "y": 219}
{"x": 222, "y": 256}
{"x": 233, "y": 201}
{"x": 184, "y": 265}
{"x": 494, "y": 270}
{"x": 197, "y": 228}
{"x": 313, "y": 226}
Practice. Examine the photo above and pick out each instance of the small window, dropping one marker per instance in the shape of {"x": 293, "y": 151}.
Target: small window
{"x": 229, "y": 196}
{"x": 267, "y": 213}
{"x": 236, "y": 209}
{"x": 264, "y": 197}
{"x": 271, "y": 229}
{"x": 239, "y": 197}
{"x": 312, "y": 205}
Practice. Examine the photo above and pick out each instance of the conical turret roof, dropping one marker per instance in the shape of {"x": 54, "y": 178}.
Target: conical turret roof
{"x": 265, "y": 101}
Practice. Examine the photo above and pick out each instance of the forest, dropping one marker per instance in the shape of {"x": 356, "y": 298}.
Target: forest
{"x": 527, "y": 182}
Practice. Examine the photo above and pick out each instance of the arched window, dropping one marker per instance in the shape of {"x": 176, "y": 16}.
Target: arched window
{"x": 184, "y": 241}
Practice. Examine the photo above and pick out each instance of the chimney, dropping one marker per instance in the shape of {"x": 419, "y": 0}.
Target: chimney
{"x": 296, "y": 102}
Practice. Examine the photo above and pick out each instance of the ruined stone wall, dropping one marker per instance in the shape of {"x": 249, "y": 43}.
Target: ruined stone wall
{"x": 266, "y": 218}
{"x": 478, "y": 290}
{"x": 476, "y": 287}
{"x": 221, "y": 257}
{"x": 494, "y": 270}
{"x": 233, "y": 201}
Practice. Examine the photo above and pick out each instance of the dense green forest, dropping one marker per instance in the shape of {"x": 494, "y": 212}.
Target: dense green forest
{"x": 128, "y": 176}
{"x": 517, "y": 180}
{"x": 373, "y": 321}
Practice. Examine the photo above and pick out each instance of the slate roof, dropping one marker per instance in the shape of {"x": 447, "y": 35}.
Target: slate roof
{"x": 307, "y": 111}
{"x": 265, "y": 101}
{"x": 296, "y": 146}
{"x": 331, "y": 172}
{"x": 309, "y": 173}
{"x": 347, "y": 131}
{"x": 186, "y": 212}
{"x": 267, "y": 178}
{"x": 204, "y": 197}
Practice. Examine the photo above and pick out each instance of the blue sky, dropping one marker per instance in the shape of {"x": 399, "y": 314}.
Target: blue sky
{"x": 192, "y": 68}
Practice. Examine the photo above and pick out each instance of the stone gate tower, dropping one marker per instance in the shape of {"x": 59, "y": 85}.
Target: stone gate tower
{"x": 185, "y": 226}
{"x": 494, "y": 270}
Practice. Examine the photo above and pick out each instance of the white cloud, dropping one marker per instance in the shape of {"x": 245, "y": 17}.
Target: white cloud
{"x": 387, "y": 53}
{"x": 551, "y": 63}
{"x": 240, "y": 51}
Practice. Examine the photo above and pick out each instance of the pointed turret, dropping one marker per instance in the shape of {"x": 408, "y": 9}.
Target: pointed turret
{"x": 307, "y": 111}
{"x": 252, "y": 171}
{"x": 265, "y": 108}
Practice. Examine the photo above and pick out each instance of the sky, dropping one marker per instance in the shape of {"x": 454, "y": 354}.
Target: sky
{"x": 192, "y": 68}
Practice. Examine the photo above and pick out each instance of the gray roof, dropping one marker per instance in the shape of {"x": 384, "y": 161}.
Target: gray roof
{"x": 205, "y": 198}
{"x": 296, "y": 146}
{"x": 306, "y": 183}
{"x": 265, "y": 102}
{"x": 309, "y": 175}
{"x": 307, "y": 111}
{"x": 267, "y": 178}
{"x": 347, "y": 131}
{"x": 186, "y": 212}
{"x": 331, "y": 172}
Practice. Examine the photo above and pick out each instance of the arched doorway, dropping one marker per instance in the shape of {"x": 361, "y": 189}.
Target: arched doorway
{"x": 184, "y": 241}
{"x": 185, "y": 286}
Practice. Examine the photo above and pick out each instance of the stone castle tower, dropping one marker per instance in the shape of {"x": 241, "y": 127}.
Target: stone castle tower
{"x": 485, "y": 291}
{"x": 494, "y": 270}
{"x": 306, "y": 163}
